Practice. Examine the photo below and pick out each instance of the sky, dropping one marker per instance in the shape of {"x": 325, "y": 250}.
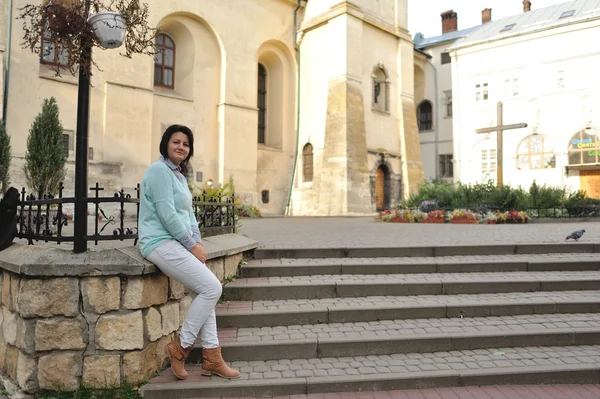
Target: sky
{"x": 424, "y": 15}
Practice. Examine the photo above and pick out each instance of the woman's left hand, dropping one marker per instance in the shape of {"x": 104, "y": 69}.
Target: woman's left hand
{"x": 199, "y": 252}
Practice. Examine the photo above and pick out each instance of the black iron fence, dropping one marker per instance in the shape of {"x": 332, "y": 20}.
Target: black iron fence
{"x": 48, "y": 218}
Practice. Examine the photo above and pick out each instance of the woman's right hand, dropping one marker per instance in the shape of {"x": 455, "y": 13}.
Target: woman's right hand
{"x": 199, "y": 252}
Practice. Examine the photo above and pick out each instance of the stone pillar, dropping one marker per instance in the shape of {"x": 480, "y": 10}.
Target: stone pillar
{"x": 342, "y": 176}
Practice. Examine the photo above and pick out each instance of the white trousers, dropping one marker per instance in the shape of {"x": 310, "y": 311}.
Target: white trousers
{"x": 179, "y": 264}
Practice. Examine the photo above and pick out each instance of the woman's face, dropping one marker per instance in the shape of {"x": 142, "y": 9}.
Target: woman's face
{"x": 178, "y": 148}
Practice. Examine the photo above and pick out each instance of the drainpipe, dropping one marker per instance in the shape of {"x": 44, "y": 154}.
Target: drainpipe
{"x": 7, "y": 69}
{"x": 287, "y": 208}
{"x": 437, "y": 122}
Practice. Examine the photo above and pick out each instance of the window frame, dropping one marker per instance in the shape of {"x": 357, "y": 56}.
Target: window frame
{"x": 55, "y": 43}
{"x": 162, "y": 65}
{"x": 308, "y": 163}
{"x": 262, "y": 104}
{"x": 425, "y": 125}
{"x": 446, "y": 165}
{"x": 449, "y": 110}
{"x": 529, "y": 154}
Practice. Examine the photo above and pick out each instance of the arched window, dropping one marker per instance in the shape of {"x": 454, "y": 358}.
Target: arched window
{"x": 381, "y": 89}
{"x": 307, "y": 163}
{"x": 164, "y": 62}
{"x": 584, "y": 148}
{"x": 425, "y": 116}
{"x": 262, "y": 103}
{"x": 535, "y": 152}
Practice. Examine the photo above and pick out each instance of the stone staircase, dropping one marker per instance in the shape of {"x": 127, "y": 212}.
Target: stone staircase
{"x": 340, "y": 320}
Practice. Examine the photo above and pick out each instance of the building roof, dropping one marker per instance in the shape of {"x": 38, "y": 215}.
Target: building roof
{"x": 567, "y": 13}
{"x": 421, "y": 42}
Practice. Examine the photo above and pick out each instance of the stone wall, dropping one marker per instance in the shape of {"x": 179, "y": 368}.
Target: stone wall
{"x": 98, "y": 322}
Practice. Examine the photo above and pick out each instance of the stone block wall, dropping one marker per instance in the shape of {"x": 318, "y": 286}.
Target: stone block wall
{"x": 99, "y": 331}
{"x": 90, "y": 326}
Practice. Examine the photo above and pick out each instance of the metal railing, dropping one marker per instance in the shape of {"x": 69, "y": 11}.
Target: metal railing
{"x": 47, "y": 218}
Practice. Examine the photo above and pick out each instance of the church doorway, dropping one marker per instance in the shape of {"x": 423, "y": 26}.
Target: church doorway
{"x": 590, "y": 182}
{"x": 382, "y": 188}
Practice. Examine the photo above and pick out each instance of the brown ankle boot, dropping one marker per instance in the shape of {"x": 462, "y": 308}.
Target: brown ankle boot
{"x": 178, "y": 357}
{"x": 213, "y": 363}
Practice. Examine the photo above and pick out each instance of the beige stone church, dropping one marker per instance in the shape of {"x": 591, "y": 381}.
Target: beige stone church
{"x": 309, "y": 105}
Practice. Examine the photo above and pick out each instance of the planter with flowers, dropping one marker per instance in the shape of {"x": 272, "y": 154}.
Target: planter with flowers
{"x": 516, "y": 217}
{"x": 437, "y": 216}
{"x": 495, "y": 217}
{"x": 401, "y": 216}
{"x": 464, "y": 216}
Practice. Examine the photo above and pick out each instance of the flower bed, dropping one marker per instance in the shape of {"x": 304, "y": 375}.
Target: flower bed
{"x": 436, "y": 216}
{"x": 464, "y": 216}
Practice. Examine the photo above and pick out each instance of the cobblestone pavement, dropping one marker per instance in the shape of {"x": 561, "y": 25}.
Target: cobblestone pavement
{"x": 340, "y": 232}
{"x": 375, "y": 302}
{"x": 407, "y": 363}
{"x": 383, "y": 279}
{"x": 498, "y": 392}
{"x": 545, "y": 323}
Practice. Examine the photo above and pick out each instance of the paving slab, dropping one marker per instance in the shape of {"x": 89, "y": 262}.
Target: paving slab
{"x": 330, "y": 286}
{"x": 401, "y": 336}
{"x": 527, "y": 365}
{"x": 441, "y": 264}
{"x": 473, "y": 392}
{"x": 339, "y": 232}
{"x": 360, "y": 309}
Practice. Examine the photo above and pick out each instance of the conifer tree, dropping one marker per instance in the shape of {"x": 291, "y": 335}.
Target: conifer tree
{"x": 45, "y": 157}
{"x": 5, "y": 158}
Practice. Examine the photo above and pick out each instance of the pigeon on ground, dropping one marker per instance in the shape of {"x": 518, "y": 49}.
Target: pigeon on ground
{"x": 576, "y": 235}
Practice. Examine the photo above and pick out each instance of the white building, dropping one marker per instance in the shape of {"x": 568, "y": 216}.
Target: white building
{"x": 543, "y": 66}
{"x": 433, "y": 94}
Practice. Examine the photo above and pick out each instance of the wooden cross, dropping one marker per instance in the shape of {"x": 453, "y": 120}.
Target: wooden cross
{"x": 499, "y": 129}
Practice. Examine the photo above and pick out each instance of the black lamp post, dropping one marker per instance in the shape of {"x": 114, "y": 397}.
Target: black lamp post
{"x": 81, "y": 144}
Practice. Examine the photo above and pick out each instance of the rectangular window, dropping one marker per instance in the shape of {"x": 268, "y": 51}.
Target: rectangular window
{"x": 446, "y": 58}
{"x": 561, "y": 79}
{"x": 66, "y": 140}
{"x": 481, "y": 92}
{"x": 53, "y": 53}
{"x": 567, "y": 14}
{"x": 492, "y": 161}
{"x": 507, "y": 28}
{"x": 448, "y": 100}
{"x": 446, "y": 167}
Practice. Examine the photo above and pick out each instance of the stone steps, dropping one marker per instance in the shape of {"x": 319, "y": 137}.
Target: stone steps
{"x": 491, "y": 366}
{"x": 335, "y": 286}
{"x": 444, "y": 264}
{"x": 362, "y": 309}
{"x": 405, "y": 336}
{"x": 353, "y": 323}
{"x": 427, "y": 251}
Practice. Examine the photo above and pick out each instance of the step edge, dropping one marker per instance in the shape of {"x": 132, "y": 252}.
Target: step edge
{"x": 424, "y": 379}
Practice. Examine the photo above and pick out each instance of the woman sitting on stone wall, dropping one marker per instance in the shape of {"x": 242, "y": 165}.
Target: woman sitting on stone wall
{"x": 169, "y": 238}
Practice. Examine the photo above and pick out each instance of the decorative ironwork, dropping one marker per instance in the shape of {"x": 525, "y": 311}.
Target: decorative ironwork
{"x": 44, "y": 218}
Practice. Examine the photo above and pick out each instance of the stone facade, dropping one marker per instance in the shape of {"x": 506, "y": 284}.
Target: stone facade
{"x": 305, "y": 48}
{"x": 70, "y": 328}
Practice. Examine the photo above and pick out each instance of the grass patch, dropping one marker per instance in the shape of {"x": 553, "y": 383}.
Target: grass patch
{"x": 127, "y": 391}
